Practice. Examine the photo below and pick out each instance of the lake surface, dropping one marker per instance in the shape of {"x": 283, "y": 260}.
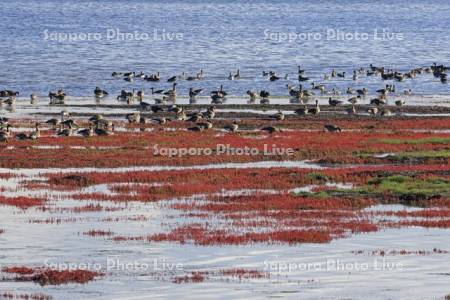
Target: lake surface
{"x": 219, "y": 37}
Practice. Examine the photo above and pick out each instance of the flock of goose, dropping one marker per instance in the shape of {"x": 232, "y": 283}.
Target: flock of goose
{"x": 65, "y": 126}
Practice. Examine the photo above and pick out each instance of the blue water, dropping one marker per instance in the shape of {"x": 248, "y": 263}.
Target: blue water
{"x": 219, "y": 36}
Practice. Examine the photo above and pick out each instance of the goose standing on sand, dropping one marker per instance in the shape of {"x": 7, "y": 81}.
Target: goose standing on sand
{"x": 279, "y": 116}
{"x": 5, "y": 134}
{"x": 33, "y": 98}
{"x": 173, "y": 92}
{"x": 264, "y": 94}
{"x": 332, "y": 128}
{"x": 351, "y": 110}
{"x": 232, "y": 127}
{"x": 253, "y": 95}
{"x": 372, "y": 111}
{"x": 354, "y": 100}
{"x": 98, "y": 92}
{"x": 87, "y": 132}
{"x": 193, "y": 93}
{"x": 271, "y": 129}
{"x": 302, "y": 111}
{"x": 400, "y": 103}
{"x": 36, "y": 134}
{"x": 315, "y": 110}
{"x": 140, "y": 95}
{"x": 386, "y": 113}
{"x": 334, "y": 102}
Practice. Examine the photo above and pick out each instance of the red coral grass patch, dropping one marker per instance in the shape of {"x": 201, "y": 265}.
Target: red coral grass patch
{"x": 21, "y": 202}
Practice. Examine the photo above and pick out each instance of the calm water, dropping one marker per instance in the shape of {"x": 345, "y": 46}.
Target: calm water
{"x": 218, "y": 36}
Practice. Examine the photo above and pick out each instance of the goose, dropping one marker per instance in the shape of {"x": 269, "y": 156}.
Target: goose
{"x": 99, "y": 92}
{"x": 334, "y": 102}
{"x": 372, "y": 111}
{"x": 333, "y": 73}
{"x": 54, "y": 122}
{"x": 157, "y": 91}
{"x": 199, "y": 76}
{"x": 351, "y": 110}
{"x": 341, "y": 75}
{"x": 33, "y": 98}
{"x": 294, "y": 93}
{"x": 232, "y": 127}
{"x": 252, "y": 94}
{"x": 279, "y": 116}
{"x": 206, "y": 125}
{"x": 59, "y": 95}
{"x": 143, "y": 106}
{"x": 230, "y": 77}
{"x": 134, "y": 117}
{"x": 274, "y": 77}
{"x": 355, "y": 75}
{"x": 315, "y": 110}
{"x": 217, "y": 98}
{"x": 271, "y": 129}
{"x": 350, "y": 91}
{"x": 193, "y": 93}
{"x": 221, "y": 93}
{"x": 129, "y": 74}
{"x": 362, "y": 92}
{"x": 156, "y": 108}
{"x": 386, "y": 112}
{"x": 175, "y": 109}
{"x": 354, "y": 100}
{"x": 332, "y": 128}
{"x": 302, "y": 78}
{"x": 172, "y": 79}
{"x": 196, "y": 128}
{"x": 210, "y": 113}
{"x": 64, "y": 131}
{"x": 320, "y": 87}
{"x": 36, "y": 134}
{"x": 334, "y": 91}
{"x": 181, "y": 116}
{"x": 10, "y": 101}
{"x": 400, "y": 103}
{"x": 195, "y": 118}
{"x": 104, "y": 131}
{"x": 378, "y": 101}
{"x": 140, "y": 95}
{"x": 103, "y": 123}
{"x": 5, "y": 134}
{"x": 154, "y": 77}
{"x": 22, "y": 136}
{"x": 4, "y": 121}
{"x": 87, "y": 132}
{"x": 264, "y": 94}
{"x": 302, "y": 111}
{"x": 116, "y": 74}
{"x": 160, "y": 121}
{"x": 173, "y": 92}
{"x": 237, "y": 75}
{"x": 9, "y": 93}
